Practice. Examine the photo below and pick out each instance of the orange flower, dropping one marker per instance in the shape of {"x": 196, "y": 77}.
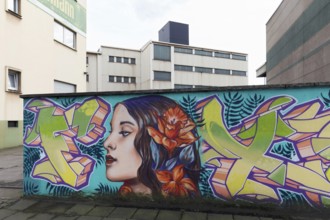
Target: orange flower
{"x": 125, "y": 190}
{"x": 174, "y": 184}
{"x": 174, "y": 129}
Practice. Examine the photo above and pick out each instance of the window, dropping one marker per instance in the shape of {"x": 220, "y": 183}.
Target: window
{"x": 162, "y": 76}
{"x": 86, "y": 60}
{"x": 203, "y": 53}
{"x": 111, "y": 78}
{"x": 238, "y": 57}
{"x": 162, "y": 52}
{"x": 12, "y": 124}
{"x": 64, "y": 35}
{"x": 126, "y": 60}
{"x": 238, "y": 73}
{"x": 183, "y": 68}
{"x": 222, "y": 55}
{"x": 119, "y": 79}
{"x": 203, "y": 87}
{"x": 183, "y": 50}
{"x": 118, "y": 59}
{"x": 64, "y": 87}
{"x": 13, "y": 80}
{"x": 14, "y": 6}
{"x": 203, "y": 70}
{"x": 111, "y": 59}
{"x": 222, "y": 71}
{"x": 132, "y": 60}
{"x": 182, "y": 86}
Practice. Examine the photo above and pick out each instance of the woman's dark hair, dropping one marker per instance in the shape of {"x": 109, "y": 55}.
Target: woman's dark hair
{"x": 145, "y": 110}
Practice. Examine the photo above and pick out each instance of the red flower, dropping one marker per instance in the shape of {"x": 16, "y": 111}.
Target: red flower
{"x": 174, "y": 130}
{"x": 174, "y": 184}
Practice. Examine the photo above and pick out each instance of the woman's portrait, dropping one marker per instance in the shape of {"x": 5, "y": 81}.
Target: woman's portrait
{"x": 153, "y": 148}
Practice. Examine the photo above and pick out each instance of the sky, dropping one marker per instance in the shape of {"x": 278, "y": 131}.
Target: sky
{"x": 230, "y": 25}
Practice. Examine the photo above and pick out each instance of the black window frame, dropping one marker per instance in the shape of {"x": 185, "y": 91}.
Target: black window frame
{"x": 159, "y": 74}
{"x": 159, "y": 53}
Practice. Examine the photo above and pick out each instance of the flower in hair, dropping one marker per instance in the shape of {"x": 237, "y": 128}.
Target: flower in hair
{"x": 174, "y": 129}
{"x": 174, "y": 183}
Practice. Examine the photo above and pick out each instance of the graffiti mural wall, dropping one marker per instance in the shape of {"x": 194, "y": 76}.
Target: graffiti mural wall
{"x": 261, "y": 145}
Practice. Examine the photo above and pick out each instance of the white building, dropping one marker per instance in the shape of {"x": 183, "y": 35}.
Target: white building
{"x": 42, "y": 50}
{"x": 164, "y": 65}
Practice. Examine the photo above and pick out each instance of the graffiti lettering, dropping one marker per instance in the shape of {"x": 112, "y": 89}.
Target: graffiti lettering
{"x": 240, "y": 160}
{"x": 56, "y": 131}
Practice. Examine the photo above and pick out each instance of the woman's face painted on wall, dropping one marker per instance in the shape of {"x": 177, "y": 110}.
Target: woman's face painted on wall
{"x": 122, "y": 159}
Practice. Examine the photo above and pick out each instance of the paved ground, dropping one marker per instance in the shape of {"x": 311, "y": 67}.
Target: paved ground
{"x": 14, "y": 207}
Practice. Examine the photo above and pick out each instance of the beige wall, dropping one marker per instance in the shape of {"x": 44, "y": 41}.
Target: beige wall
{"x": 91, "y": 67}
{"x": 104, "y": 68}
{"x": 146, "y": 65}
{"x": 146, "y": 68}
{"x": 27, "y": 44}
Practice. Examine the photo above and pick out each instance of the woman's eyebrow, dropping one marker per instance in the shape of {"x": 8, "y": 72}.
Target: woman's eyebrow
{"x": 126, "y": 122}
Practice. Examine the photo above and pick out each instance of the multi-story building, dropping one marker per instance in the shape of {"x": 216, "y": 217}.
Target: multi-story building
{"x": 298, "y": 43}
{"x": 42, "y": 50}
{"x": 165, "y": 65}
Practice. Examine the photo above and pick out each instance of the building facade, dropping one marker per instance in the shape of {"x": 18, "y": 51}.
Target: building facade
{"x": 164, "y": 65}
{"x": 43, "y": 50}
{"x": 298, "y": 43}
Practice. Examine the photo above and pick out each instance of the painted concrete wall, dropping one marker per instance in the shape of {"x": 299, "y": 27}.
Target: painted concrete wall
{"x": 256, "y": 144}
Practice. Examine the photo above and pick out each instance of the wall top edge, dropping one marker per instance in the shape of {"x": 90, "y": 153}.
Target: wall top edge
{"x": 190, "y": 90}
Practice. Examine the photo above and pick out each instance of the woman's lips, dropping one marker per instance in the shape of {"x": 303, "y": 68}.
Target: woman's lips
{"x": 109, "y": 160}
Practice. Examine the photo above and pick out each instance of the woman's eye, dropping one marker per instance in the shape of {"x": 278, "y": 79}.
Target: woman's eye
{"x": 124, "y": 133}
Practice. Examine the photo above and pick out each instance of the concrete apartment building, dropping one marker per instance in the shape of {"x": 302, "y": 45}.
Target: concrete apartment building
{"x": 298, "y": 43}
{"x": 42, "y": 50}
{"x": 165, "y": 64}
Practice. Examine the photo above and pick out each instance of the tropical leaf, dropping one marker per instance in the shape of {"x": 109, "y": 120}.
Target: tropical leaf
{"x": 96, "y": 151}
{"x": 326, "y": 99}
{"x": 204, "y": 184}
{"x": 31, "y": 155}
{"x": 30, "y": 188}
{"x": 251, "y": 103}
{"x": 59, "y": 191}
{"x": 238, "y": 108}
{"x": 290, "y": 199}
{"x": 28, "y": 119}
{"x": 187, "y": 155}
{"x": 170, "y": 164}
{"x": 233, "y": 104}
{"x": 189, "y": 105}
{"x": 284, "y": 149}
{"x": 155, "y": 154}
{"x": 104, "y": 189}
{"x": 68, "y": 101}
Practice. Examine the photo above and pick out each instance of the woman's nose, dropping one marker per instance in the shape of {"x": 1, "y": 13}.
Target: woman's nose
{"x": 108, "y": 144}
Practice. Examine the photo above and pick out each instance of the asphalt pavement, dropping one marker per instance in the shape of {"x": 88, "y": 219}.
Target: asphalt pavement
{"x": 13, "y": 206}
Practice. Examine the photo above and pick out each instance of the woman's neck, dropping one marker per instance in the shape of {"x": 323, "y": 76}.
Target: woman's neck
{"x": 138, "y": 187}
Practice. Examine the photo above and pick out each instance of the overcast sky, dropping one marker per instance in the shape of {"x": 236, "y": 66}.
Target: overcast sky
{"x": 232, "y": 25}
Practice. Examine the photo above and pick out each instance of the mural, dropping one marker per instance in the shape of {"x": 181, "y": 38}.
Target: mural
{"x": 270, "y": 146}
{"x": 55, "y": 130}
